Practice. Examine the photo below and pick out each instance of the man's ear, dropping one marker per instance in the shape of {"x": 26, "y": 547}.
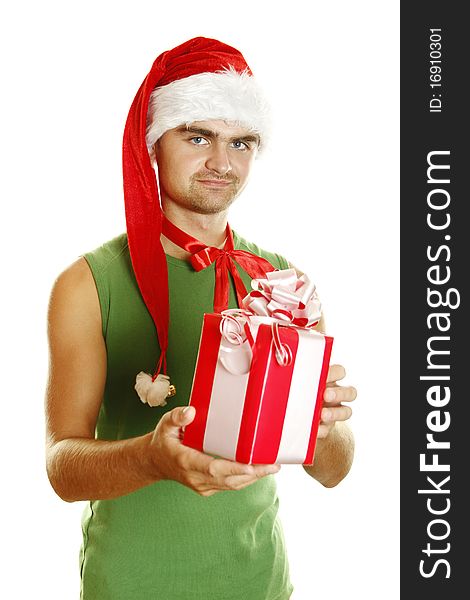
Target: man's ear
{"x": 153, "y": 153}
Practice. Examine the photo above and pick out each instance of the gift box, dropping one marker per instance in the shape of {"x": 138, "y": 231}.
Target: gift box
{"x": 260, "y": 376}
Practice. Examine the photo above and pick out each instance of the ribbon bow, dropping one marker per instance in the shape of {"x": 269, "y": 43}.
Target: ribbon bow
{"x": 286, "y": 298}
{"x": 282, "y": 297}
{"x": 224, "y": 258}
{"x": 255, "y": 266}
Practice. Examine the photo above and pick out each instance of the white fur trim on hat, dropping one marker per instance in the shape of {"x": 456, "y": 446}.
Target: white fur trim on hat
{"x": 226, "y": 95}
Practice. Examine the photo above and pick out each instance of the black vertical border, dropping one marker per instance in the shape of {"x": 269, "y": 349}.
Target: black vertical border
{"x": 422, "y": 132}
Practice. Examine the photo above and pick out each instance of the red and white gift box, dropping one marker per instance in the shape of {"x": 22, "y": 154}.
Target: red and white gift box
{"x": 259, "y": 380}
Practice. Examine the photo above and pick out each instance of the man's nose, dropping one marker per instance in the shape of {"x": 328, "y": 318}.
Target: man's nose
{"x": 218, "y": 159}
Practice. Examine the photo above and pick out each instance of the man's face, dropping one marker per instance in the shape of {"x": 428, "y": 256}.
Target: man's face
{"x": 205, "y": 166}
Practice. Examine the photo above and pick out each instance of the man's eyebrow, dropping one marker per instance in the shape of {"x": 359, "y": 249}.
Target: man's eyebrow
{"x": 197, "y": 130}
{"x": 249, "y": 137}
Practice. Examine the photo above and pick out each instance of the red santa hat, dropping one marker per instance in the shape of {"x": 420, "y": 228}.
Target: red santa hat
{"x": 199, "y": 80}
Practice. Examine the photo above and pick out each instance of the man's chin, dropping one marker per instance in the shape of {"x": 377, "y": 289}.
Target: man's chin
{"x": 210, "y": 204}
{"x": 210, "y": 209}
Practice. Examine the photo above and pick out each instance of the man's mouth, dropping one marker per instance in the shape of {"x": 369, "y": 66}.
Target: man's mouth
{"x": 214, "y": 182}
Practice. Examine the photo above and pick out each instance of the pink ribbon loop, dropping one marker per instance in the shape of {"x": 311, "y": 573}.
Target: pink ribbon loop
{"x": 234, "y": 326}
{"x": 235, "y": 352}
{"x": 282, "y": 353}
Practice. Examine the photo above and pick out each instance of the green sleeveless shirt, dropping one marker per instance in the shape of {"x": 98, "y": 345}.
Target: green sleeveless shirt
{"x": 164, "y": 541}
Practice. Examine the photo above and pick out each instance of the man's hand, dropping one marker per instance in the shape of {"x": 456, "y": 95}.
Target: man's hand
{"x": 333, "y": 409}
{"x": 206, "y": 475}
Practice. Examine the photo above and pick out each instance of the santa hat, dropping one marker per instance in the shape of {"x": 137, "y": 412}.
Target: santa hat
{"x": 199, "y": 80}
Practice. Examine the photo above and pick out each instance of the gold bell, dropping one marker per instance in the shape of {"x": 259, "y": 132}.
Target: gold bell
{"x": 171, "y": 391}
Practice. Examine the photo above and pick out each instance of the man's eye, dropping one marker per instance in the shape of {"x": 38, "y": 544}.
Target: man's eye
{"x": 198, "y": 140}
{"x": 239, "y": 145}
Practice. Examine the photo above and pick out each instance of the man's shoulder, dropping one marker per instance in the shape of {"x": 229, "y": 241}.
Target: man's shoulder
{"x": 277, "y": 260}
{"x": 109, "y": 252}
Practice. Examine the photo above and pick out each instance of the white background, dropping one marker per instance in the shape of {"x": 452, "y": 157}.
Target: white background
{"x": 325, "y": 196}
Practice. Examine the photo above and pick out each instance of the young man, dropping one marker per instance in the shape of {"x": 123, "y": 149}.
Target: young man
{"x": 164, "y": 520}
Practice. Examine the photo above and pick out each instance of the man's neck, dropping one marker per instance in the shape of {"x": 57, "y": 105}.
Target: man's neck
{"x": 209, "y": 229}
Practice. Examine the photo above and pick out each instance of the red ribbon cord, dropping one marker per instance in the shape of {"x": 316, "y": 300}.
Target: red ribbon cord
{"x": 224, "y": 259}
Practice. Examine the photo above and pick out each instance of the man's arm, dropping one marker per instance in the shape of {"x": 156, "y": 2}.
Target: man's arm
{"x": 83, "y": 468}
{"x": 80, "y": 467}
{"x": 334, "y": 450}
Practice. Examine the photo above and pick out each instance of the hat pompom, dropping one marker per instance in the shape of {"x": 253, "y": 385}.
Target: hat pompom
{"x": 153, "y": 393}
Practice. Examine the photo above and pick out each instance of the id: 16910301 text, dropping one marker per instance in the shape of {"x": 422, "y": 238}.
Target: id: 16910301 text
{"x": 435, "y": 70}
